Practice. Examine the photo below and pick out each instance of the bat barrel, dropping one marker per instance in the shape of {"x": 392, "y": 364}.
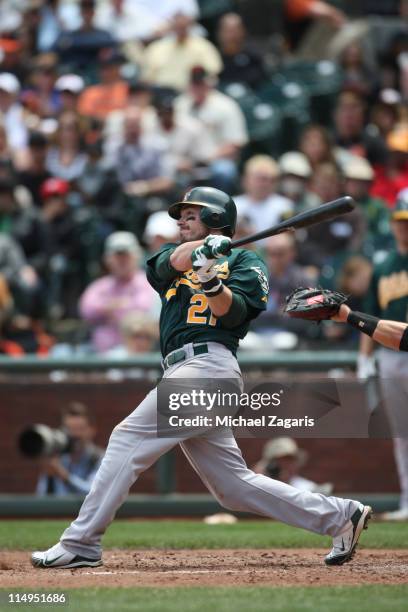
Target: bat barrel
{"x": 319, "y": 214}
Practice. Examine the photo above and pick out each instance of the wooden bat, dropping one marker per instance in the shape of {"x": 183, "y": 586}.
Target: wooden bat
{"x": 304, "y": 219}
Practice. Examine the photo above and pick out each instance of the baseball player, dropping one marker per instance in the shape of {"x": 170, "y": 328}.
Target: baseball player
{"x": 391, "y": 334}
{"x": 388, "y": 300}
{"x": 209, "y": 295}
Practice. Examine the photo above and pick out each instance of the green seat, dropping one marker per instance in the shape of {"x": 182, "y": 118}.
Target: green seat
{"x": 214, "y": 8}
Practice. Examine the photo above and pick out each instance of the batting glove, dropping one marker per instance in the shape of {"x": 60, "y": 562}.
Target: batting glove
{"x": 203, "y": 266}
{"x": 218, "y": 245}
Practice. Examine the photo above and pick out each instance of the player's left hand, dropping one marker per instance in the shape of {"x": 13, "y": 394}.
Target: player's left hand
{"x": 218, "y": 245}
{"x": 203, "y": 264}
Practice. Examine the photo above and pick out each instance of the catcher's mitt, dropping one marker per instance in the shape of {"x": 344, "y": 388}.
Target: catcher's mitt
{"x": 314, "y": 304}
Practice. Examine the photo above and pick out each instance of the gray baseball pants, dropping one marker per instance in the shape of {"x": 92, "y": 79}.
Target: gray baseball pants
{"x": 134, "y": 446}
{"x": 393, "y": 368}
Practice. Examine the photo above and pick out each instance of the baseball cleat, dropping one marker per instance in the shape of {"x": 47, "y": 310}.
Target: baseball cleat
{"x": 345, "y": 544}
{"x": 58, "y": 557}
{"x": 395, "y": 515}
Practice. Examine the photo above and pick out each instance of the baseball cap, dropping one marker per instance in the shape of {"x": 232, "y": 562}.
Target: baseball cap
{"x": 121, "y": 242}
{"x": 283, "y": 447}
{"x": 160, "y": 224}
{"x": 70, "y": 82}
{"x": 9, "y": 83}
{"x": 295, "y": 163}
{"x": 400, "y": 212}
{"x": 54, "y": 187}
{"x": 359, "y": 169}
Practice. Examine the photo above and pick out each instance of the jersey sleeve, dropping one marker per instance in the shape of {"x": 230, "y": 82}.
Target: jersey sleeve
{"x": 249, "y": 279}
{"x": 159, "y": 271}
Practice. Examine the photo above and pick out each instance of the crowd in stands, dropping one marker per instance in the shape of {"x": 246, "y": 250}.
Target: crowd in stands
{"x": 111, "y": 109}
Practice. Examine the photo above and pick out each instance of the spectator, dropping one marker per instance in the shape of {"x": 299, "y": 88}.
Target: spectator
{"x": 20, "y": 277}
{"x": 12, "y": 58}
{"x": 242, "y": 64}
{"x": 260, "y": 203}
{"x": 19, "y": 334}
{"x": 78, "y": 49}
{"x": 224, "y": 122}
{"x": 140, "y": 96}
{"x": 6, "y": 155}
{"x": 331, "y": 238}
{"x": 295, "y": 172}
{"x": 393, "y": 177}
{"x": 350, "y": 133}
{"x": 183, "y": 139}
{"x": 141, "y": 169}
{"x": 123, "y": 290}
{"x": 41, "y": 97}
{"x": 111, "y": 93}
{"x": 358, "y": 75}
{"x": 98, "y": 186}
{"x": 316, "y": 144}
{"x": 25, "y": 225}
{"x": 69, "y": 87}
{"x": 74, "y": 247}
{"x": 66, "y": 158}
{"x": 13, "y": 116}
{"x": 385, "y": 112}
{"x": 124, "y": 18}
{"x": 300, "y": 15}
{"x": 35, "y": 171}
{"x": 168, "y": 62}
{"x": 285, "y": 275}
{"x": 72, "y": 472}
{"x": 359, "y": 176}
{"x": 282, "y": 459}
{"x": 160, "y": 229}
{"x": 139, "y": 334}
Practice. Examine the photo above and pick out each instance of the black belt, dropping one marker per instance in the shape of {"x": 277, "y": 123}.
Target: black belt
{"x": 181, "y": 354}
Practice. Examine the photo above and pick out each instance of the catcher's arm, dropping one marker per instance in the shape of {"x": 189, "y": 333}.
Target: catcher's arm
{"x": 391, "y": 334}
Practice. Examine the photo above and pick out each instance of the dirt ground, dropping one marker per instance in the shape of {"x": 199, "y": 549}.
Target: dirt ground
{"x": 210, "y": 568}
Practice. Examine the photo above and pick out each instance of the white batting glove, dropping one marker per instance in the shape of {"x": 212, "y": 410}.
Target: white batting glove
{"x": 203, "y": 266}
{"x": 218, "y": 245}
{"x": 366, "y": 366}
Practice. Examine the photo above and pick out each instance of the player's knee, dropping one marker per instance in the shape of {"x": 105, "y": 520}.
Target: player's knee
{"x": 229, "y": 499}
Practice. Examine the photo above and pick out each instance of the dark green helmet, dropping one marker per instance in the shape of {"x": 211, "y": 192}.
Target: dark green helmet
{"x": 218, "y": 208}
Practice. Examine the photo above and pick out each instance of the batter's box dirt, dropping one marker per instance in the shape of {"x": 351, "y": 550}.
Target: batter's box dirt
{"x": 211, "y": 568}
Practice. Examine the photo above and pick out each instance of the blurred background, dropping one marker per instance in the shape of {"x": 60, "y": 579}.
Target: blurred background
{"x": 109, "y": 111}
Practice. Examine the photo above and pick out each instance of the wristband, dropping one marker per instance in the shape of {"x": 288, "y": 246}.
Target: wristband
{"x": 404, "y": 341}
{"x": 212, "y": 287}
{"x": 363, "y": 322}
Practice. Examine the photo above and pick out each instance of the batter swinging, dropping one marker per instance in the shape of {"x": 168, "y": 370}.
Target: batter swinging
{"x": 209, "y": 296}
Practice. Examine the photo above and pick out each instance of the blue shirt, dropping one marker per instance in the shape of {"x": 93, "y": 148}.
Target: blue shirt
{"x": 81, "y": 474}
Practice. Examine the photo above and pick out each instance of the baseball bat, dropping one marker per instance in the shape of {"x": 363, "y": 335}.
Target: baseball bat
{"x": 304, "y": 219}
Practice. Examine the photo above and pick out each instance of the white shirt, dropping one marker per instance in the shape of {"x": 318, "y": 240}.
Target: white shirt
{"x": 221, "y": 116}
{"x": 266, "y": 213}
{"x": 16, "y": 129}
{"x": 188, "y": 139}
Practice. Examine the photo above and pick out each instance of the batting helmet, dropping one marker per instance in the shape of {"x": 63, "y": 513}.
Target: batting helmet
{"x": 218, "y": 210}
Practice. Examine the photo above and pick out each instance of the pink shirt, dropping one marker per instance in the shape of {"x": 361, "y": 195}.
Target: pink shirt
{"x": 107, "y": 300}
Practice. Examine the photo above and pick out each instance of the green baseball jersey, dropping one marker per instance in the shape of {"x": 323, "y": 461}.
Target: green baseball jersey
{"x": 186, "y": 316}
{"x": 387, "y": 297}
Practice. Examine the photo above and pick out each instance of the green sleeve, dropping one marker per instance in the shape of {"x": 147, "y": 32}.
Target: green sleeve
{"x": 159, "y": 271}
{"x": 371, "y": 305}
{"x": 237, "y": 313}
{"x": 249, "y": 279}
